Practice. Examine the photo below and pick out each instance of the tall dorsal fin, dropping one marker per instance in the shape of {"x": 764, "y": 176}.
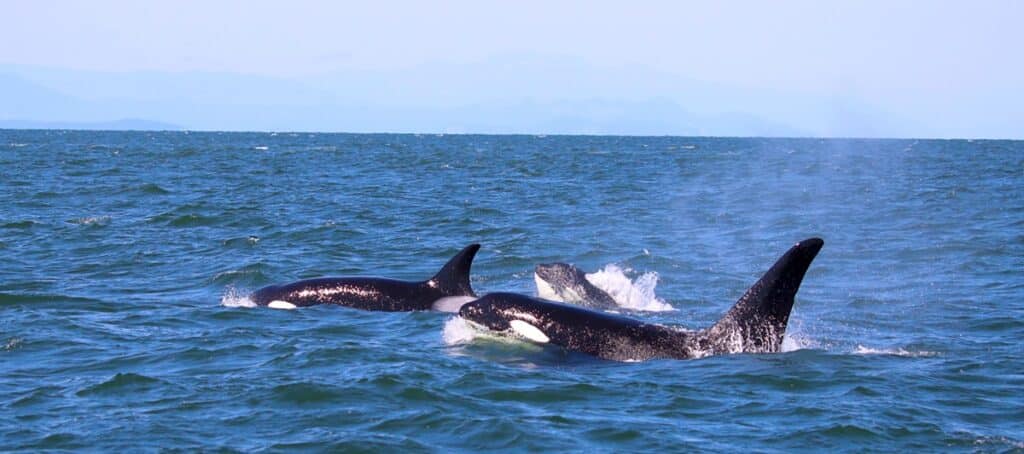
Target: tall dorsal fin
{"x": 757, "y": 322}
{"x": 453, "y": 279}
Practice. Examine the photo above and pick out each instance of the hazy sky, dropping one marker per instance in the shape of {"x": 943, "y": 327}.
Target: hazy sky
{"x": 935, "y": 63}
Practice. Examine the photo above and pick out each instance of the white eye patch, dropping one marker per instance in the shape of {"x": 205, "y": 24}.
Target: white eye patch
{"x": 529, "y": 331}
{"x": 278, "y": 304}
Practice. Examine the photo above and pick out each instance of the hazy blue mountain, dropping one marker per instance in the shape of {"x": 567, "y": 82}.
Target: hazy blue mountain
{"x": 515, "y": 94}
{"x": 21, "y": 98}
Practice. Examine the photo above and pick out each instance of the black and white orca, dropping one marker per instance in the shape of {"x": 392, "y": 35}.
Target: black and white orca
{"x": 755, "y": 324}
{"x": 566, "y": 283}
{"x": 446, "y": 291}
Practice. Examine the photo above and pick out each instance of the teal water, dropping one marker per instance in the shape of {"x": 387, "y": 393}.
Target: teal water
{"x": 125, "y": 256}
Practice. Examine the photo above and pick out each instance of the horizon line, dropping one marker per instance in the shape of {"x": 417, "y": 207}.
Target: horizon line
{"x": 524, "y": 134}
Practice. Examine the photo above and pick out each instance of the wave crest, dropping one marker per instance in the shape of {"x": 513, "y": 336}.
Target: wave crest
{"x": 862, "y": 350}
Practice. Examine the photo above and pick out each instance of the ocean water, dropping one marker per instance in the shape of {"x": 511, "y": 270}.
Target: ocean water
{"x": 127, "y": 258}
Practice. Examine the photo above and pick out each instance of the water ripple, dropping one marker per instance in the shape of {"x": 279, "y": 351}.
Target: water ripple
{"x": 126, "y": 322}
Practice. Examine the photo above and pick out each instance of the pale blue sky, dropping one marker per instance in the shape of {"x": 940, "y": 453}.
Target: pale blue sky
{"x": 875, "y": 68}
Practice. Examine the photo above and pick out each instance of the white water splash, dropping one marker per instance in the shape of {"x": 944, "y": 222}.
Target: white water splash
{"x": 792, "y": 342}
{"x": 998, "y": 440}
{"x": 862, "y": 350}
{"x": 637, "y": 295}
{"x": 457, "y": 331}
{"x": 234, "y": 298}
{"x": 13, "y": 343}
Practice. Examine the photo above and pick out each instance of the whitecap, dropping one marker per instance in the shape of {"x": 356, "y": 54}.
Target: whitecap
{"x": 862, "y": 350}
{"x": 92, "y": 220}
{"x": 13, "y": 343}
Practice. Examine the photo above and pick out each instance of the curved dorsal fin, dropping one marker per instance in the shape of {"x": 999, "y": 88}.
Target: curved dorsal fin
{"x": 453, "y": 279}
{"x": 757, "y": 322}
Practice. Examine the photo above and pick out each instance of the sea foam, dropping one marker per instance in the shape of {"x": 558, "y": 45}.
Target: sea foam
{"x": 792, "y": 342}
{"x": 457, "y": 331}
{"x": 862, "y": 350}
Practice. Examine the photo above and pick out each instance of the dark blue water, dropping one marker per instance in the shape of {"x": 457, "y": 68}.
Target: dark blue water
{"x": 126, "y": 258}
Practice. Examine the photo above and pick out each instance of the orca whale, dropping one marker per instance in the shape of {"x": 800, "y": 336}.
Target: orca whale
{"x": 755, "y": 324}
{"x": 566, "y": 283}
{"x": 446, "y": 291}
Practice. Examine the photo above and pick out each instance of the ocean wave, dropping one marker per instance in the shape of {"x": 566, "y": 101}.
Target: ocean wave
{"x": 98, "y": 221}
{"x": 152, "y": 188}
{"x": 192, "y": 220}
{"x": 19, "y": 224}
{"x": 249, "y": 275}
{"x": 934, "y": 275}
{"x": 13, "y": 298}
{"x": 305, "y": 393}
{"x": 243, "y": 242}
{"x": 862, "y": 350}
{"x": 120, "y": 383}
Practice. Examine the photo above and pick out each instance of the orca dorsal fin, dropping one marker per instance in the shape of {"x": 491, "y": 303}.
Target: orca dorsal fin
{"x": 453, "y": 279}
{"x": 757, "y": 322}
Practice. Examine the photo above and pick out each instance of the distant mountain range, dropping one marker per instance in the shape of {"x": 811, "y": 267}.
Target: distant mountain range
{"x": 500, "y": 96}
